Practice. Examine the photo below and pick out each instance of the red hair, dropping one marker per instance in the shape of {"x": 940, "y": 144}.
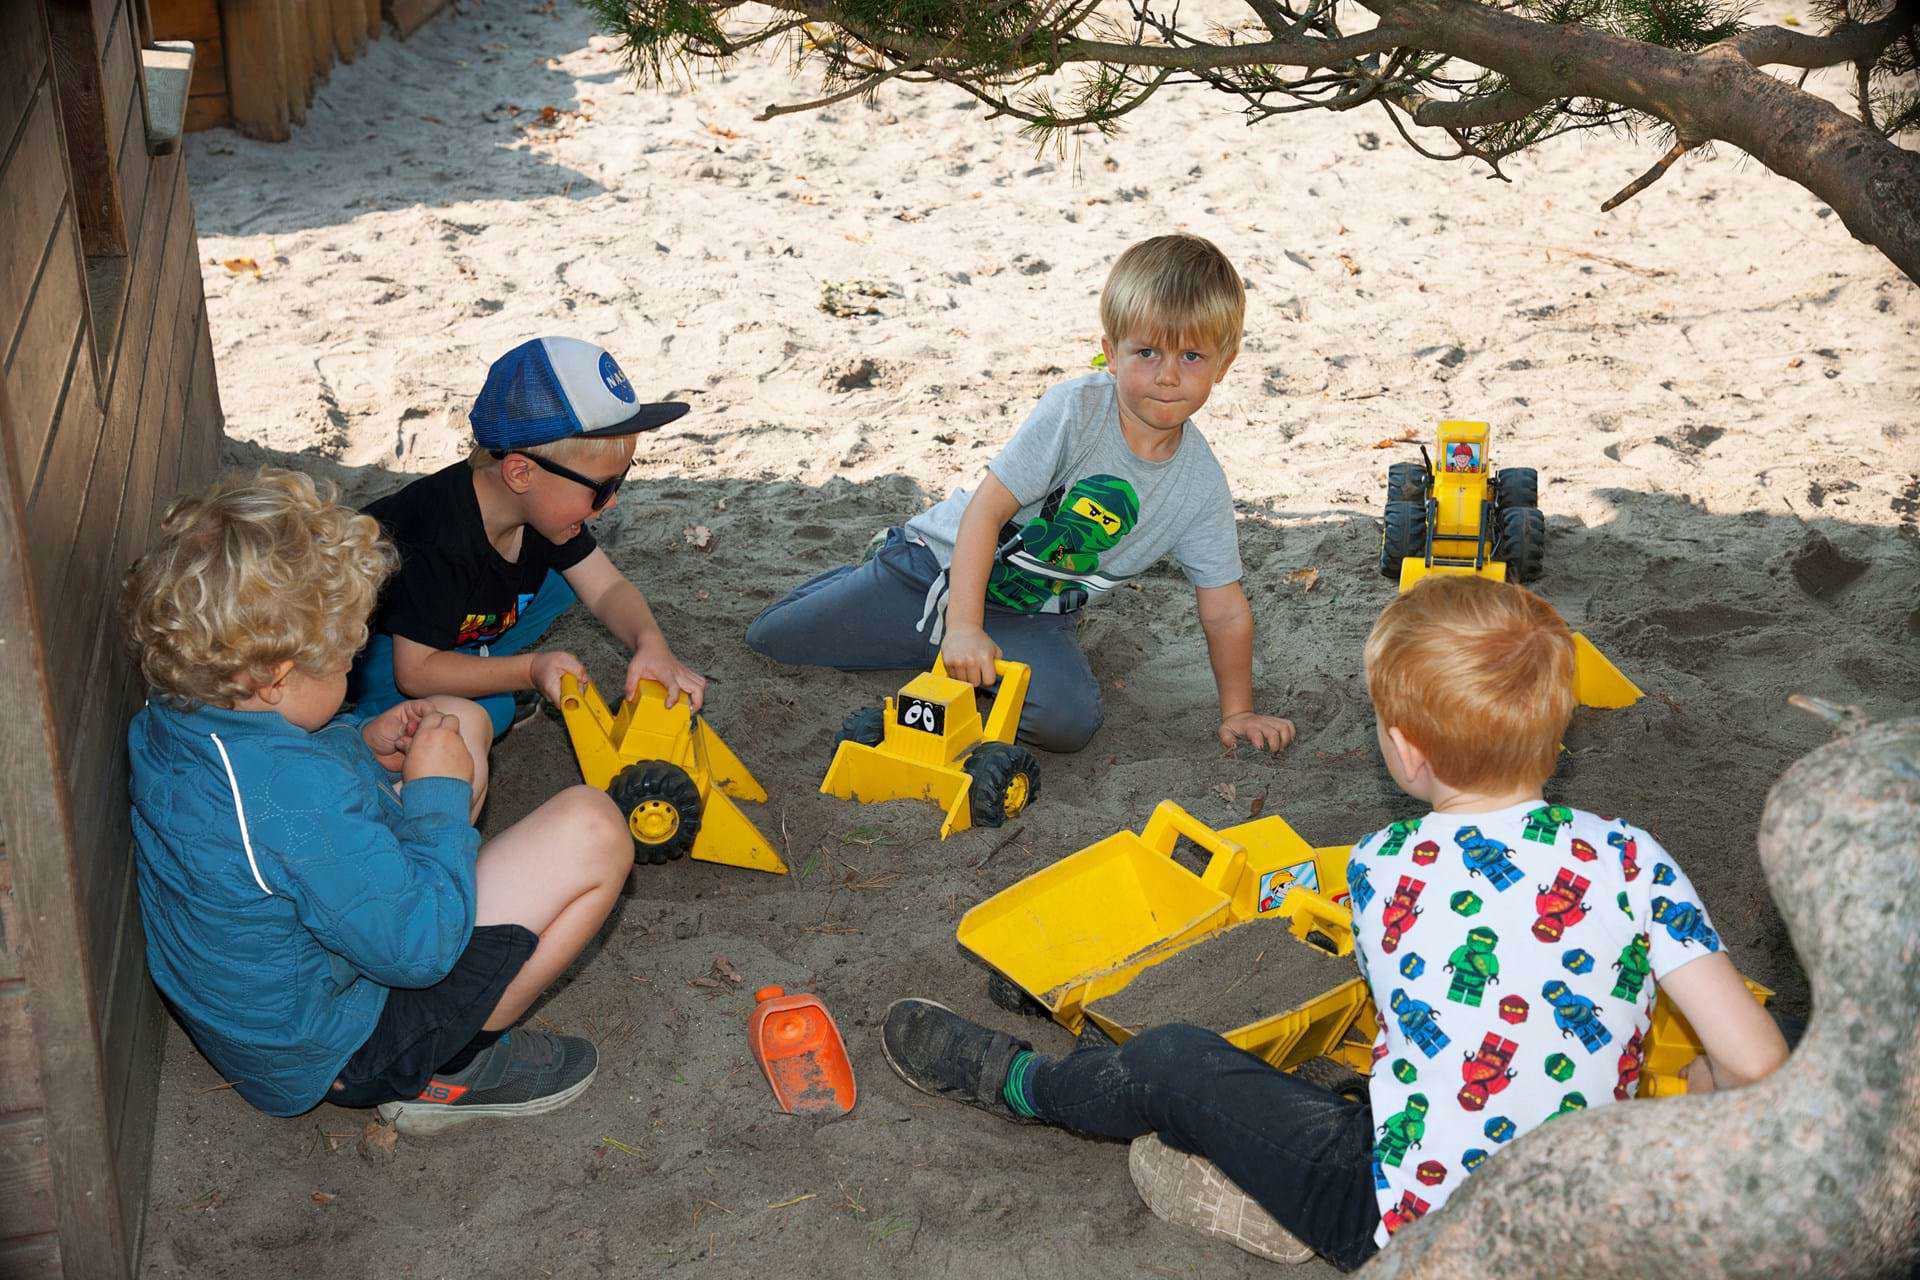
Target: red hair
{"x": 1478, "y": 675}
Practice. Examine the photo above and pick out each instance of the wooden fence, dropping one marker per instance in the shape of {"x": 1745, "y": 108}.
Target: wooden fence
{"x": 259, "y": 62}
{"x": 108, "y": 406}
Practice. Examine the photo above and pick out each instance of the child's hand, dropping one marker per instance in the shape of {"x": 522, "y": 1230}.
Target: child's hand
{"x": 438, "y": 750}
{"x": 659, "y": 664}
{"x": 548, "y": 666}
{"x": 969, "y": 654}
{"x": 1270, "y": 733}
{"x": 389, "y": 734}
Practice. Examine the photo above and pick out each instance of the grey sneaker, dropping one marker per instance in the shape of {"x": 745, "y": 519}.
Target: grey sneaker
{"x": 1190, "y": 1192}
{"x": 525, "y": 1073}
{"x": 941, "y": 1053}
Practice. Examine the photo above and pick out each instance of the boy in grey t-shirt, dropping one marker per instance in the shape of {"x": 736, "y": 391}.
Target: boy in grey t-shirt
{"x": 1106, "y": 476}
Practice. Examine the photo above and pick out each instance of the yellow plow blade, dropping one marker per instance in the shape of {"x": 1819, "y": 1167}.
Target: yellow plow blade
{"x": 867, "y": 775}
{"x": 1596, "y": 681}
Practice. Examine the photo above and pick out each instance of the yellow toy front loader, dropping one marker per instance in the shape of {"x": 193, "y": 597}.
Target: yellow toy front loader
{"x": 928, "y": 743}
{"x": 1455, "y": 514}
{"x": 671, "y": 775}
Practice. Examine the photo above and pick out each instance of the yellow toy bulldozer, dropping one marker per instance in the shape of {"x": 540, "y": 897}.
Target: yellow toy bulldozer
{"x": 928, "y": 743}
{"x": 1456, "y": 514}
{"x": 671, "y": 775}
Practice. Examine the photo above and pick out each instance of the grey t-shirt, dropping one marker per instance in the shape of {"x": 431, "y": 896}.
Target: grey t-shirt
{"x": 1093, "y": 513}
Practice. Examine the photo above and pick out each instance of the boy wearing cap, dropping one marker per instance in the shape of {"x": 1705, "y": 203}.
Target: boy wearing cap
{"x": 494, "y": 549}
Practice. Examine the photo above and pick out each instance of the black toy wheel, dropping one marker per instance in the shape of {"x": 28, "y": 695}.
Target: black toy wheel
{"x": 1006, "y": 780}
{"x": 1523, "y": 542}
{"x": 1516, "y": 487}
{"x": 1406, "y": 482}
{"x": 1006, "y": 993}
{"x": 662, "y": 807}
{"x": 1402, "y": 534}
{"x": 865, "y": 726}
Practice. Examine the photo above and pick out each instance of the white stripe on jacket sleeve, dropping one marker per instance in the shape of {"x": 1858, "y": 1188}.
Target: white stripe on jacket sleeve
{"x": 246, "y": 840}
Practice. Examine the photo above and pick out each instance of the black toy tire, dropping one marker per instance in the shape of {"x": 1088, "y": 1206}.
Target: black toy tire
{"x": 1406, "y": 482}
{"x": 1006, "y": 993}
{"x": 867, "y": 726}
{"x": 657, "y": 783}
{"x": 1523, "y": 542}
{"x": 1403, "y": 533}
{"x": 1516, "y": 487}
{"x": 995, "y": 769}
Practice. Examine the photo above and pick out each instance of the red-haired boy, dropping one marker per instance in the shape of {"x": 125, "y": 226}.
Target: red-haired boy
{"x": 1514, "y": 983}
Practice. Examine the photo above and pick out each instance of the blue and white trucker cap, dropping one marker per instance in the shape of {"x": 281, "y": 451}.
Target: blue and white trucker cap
{"x": 549, "y": 389}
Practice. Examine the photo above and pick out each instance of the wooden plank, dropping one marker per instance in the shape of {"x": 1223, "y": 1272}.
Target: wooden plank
{"x": 37, "y": 1258}
{"x": 33, "y": 187}
{"x": 119, "y": 1025}
{"x": 64, "y": 1020}
{"x": 206, "y": 423}
{"x": 257, "y": 84}
{"x": 348, "y": 36}
{"x": 106, "y": 18}
{"x": 195, "y": 20}
{"x": 119, "y": 67}
{"x": 320, "y": 37}
{"x": 208, "y": 113}
{"x": 408, "y": 16}
{"x": 53, "y": 513}
{"x": 19, "y": 1064}
{"x": 298, "y": 36}
{"x": 374, "y": 24}
{"x": 23, "y": 63}
{"x": 133, "y": 1143}
{"x": 88, "y": 118}
{"x": 11, "y": 935}
{"x": 26, "y": 1179}
{"x": 134, "y": 166}
{"x": 43, "y": 353}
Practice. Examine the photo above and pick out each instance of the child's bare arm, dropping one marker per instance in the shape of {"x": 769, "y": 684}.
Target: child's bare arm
{"x": 1742, "y": 1044}
{"x": 1227, "y": 620}
{"x": 611, "y": 597}
{"x": 967, "y": 651}
{"x": 420, "y": 671}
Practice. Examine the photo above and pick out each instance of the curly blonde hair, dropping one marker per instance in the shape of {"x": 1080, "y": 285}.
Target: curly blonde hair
{"x": 257, "y": 570}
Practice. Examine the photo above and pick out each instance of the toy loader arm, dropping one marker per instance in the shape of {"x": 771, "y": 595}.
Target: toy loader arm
{"x": 1225, "y": 869}
{"x": 1003, "y": 720}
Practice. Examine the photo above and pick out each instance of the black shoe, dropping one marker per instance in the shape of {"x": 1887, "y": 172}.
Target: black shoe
{"x": 526, "y": 705}
{"x": 941, "y": 1053}
{"x": 524, "y": 1073}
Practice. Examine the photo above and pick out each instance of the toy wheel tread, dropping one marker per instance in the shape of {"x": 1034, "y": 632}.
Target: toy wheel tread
{"x": 1006, "y": 779}
{"x": 1516, "y": 487}
{"x": 662, "y": 808}
{"x": 1403, "y": 533}
{"x": 865, "y": 726}
{"x": 1007, "y": 993}
{"x": 1523, "y": 542}
{"x": 1406, "y": 482}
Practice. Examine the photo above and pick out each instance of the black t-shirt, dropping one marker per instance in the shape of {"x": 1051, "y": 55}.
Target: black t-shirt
{"x": 453, "y": 589}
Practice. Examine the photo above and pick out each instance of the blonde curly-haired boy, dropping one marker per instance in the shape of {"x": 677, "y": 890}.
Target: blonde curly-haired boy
{"x": 319, "y": 909}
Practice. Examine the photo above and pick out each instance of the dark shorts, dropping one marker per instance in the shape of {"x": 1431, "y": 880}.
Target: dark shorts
{"x": 422, "y": 1027}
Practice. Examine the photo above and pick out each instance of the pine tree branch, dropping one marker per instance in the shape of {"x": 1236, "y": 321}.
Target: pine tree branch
{"x": 1858, "y": 42}
{"x": 868, "y": 85}
{"x": 1648, "y": 178}
{"x": 1503, "y": 107}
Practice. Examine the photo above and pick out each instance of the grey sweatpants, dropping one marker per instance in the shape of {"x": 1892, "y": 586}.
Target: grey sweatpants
{"x": 861, "y": 617}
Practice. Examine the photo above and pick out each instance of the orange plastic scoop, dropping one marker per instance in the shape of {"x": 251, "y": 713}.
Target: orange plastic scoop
{"x": 796, "y": 1043}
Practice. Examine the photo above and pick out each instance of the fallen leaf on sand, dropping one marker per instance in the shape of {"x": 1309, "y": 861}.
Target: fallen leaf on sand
{"x": 237, "y": 265}
{"x": 1307, "y": 579}
{"x": 1226, "y": 791}
{"x": 1405, "y": 437}
{"x": 706, "y": 984}
{"x": 720, "y": 131}
{"x": 433, "y": 119}
{"x": 206, "y": 1203}
{"x": 723, "y": 967}
{"x": 378, "y": 1139}
{"x": 1353, "y": 268}
{"x": 1259, "y": 803}
{"x": 323, "y": 1198}
{"x": 698, "y": 536}
{"x": 703, "y": 594}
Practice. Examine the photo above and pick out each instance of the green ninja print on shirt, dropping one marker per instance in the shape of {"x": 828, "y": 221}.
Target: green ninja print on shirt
{"x": 1075, "y": 525}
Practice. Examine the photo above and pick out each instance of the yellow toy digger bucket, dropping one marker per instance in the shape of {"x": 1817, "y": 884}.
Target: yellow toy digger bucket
{"x": 645, "y": 731}
{"x": 1085, "y": 926}
{"x": 869, "y": 775}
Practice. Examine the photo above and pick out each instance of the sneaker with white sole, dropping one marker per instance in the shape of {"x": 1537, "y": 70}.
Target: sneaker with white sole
{"x": 524, "y": 1073}
{"x": 1188, "y": 1191}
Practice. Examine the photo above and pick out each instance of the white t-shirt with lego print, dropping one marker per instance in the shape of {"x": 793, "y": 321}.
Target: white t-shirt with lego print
{"x": 1513, "y": 957}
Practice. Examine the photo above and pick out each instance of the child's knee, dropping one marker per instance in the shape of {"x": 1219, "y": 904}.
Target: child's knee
{"x": 475, "y": 724}
{"x": 766, "y": 635}
{"x": 1065, "y": 722}
{"x": 592, "y": 823}
{"x": 1169, "y": 1052}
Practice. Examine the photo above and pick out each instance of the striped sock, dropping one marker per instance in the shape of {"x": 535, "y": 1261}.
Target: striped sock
{"x": 1015, "y": 1088}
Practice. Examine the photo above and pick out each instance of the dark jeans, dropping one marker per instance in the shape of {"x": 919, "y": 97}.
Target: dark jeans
{"x": 1304, "y": 1152}
{"x": 862, "y": 617}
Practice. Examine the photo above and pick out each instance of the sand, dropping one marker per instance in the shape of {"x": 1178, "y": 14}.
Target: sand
{"x": 1717, "y": 386}
{"x": 1230, "y": 980}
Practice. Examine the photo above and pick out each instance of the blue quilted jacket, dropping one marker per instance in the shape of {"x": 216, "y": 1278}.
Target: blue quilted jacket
{"x": 286, "y": 886}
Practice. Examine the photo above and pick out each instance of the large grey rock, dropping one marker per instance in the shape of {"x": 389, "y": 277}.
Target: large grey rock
{"x": 1814, "y": 1171}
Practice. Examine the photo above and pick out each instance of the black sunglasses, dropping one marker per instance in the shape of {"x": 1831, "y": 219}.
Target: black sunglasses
{"x": 603, "y": 490}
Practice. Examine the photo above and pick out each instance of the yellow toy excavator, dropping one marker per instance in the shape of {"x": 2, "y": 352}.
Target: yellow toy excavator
{"x": 1455, "y": 514}
{"x": 929, "y": 744}
{"x": 673, "y": 778}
